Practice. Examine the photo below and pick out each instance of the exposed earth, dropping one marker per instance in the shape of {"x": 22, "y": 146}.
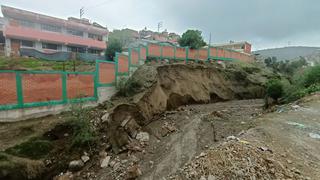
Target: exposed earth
{"x": 172, "y": 125}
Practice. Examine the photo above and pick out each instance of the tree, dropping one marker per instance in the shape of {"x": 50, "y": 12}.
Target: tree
{"x": 114, "y": 46}
{"x": 124, "y": 36}
{"x": 274, "y": 89}
{"x": 192, "y": 39}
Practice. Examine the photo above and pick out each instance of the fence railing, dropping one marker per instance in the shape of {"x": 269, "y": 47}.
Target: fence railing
{"x": 25, "y": 89}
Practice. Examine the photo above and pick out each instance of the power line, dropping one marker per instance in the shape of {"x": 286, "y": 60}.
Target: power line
{"x": 160, "y": 24}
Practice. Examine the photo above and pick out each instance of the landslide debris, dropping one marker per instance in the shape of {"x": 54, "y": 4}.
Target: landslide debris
{"x": 166, "y": 87}
{"x": 236, "y": 160}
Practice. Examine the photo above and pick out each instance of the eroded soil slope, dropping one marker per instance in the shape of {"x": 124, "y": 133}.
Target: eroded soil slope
{"x": 156, "y": 89}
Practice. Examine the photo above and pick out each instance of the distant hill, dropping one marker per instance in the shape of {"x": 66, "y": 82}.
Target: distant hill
{"x": 289, "y": 53}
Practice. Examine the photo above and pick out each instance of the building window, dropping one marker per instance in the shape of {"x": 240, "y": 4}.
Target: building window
{"x": 75, "y": 49}
{"x": 51, "y": 46}
{"x": 94, "y": 51}
{"x": 75, "y": 32}
{"x": 27, "y": 43}
{"x": 26, "y": 23}
{"x": 51, "y": 28}
{"x": 95, "y": 37}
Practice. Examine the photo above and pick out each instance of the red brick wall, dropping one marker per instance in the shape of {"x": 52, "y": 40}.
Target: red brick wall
{"x": 106, "y": 73}
{"x": 213, "y": 52}
{"x": 143, "y": 53}
{"x": 220, "y": 53}
{"x": 203, "y": 54}
{"x": 8, "y": 94}
{"x": 168, "y": 51}
{"x": 134, "y": 57}
{"x": 123, "y": 66}
{"x": 80, "y": 86}
{"x": 193, "y": 54}
{"x": 41, "y": 87}
{"x": 181, "y": 53}
{"x": 154, "y": 50}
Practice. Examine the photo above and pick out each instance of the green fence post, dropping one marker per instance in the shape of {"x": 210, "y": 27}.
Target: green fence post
{"x": 161, "y": 51}
{"x": 139, "y": 55}
{"x": 208, "y": 54}
{"x": 64, "y": 87}
{"x": 116, "y": 66}
{"x": 187, "y": 54}
{"x": 129, "y": 59}
{"x": 19, "y": 90}
{"x": 174, "y": 54}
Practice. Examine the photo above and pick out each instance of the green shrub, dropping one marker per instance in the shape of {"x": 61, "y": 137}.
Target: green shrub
{"x": 35, "y": 148}
{"x": 127, "y": 87}
{"x": 3, "y": 156}
{"x": 312, "y": 76}
{"x": 83, "y": 132}
{"x": 274, "y": 89}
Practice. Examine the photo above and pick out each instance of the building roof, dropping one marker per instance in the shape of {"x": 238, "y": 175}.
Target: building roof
{"x": 83, "y": 25}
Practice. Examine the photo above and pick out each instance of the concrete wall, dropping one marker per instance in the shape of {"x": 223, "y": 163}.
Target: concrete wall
{"x": 104, "y": 94}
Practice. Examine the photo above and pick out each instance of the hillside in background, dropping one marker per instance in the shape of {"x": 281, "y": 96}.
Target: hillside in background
{"x": 289, "y": 53}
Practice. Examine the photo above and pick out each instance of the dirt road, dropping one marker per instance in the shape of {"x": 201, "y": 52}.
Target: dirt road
{"x": 178, "y": 138}
{"x": 294, "y": 133}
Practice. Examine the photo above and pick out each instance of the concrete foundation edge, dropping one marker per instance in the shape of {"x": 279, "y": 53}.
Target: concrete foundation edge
{"x": 104, "y": 94}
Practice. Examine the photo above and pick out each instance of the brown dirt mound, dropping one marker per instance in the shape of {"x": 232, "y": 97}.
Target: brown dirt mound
{"x": 235, "y": 160}
{"x": 161, "y": 88}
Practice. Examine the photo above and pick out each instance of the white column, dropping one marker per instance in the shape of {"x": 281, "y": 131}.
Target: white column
{"x": 7, "y": 48}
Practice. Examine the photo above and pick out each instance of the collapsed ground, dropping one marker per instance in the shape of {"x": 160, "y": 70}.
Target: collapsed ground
{"x": 151, "y": 134}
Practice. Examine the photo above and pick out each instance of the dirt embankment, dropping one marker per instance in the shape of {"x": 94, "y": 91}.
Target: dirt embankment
{"x": 160, "y": 88}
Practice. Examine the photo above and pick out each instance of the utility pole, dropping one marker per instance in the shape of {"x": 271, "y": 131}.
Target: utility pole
{"x": 159, "y": 26}
{"x": 81, "y": 12}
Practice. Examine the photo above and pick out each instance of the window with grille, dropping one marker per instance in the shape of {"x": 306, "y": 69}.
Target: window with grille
{"x": 52, "y": 28}
{"x": 26, "y": 23}
{"x": 95, "y": 36}
{"x": 75, "y": 32}
{"x": 51, "y": 46}
{"x": 27, "y": 43}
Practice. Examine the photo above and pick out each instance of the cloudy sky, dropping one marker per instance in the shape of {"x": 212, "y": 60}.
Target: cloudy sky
{"x": 264, "y": 23}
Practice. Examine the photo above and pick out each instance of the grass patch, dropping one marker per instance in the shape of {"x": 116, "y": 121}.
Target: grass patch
{"x": 83, "y": 132}
{"x": 23, "y": 63}
{"x": 3, "y": 157}
{"x": 304, "y": 82}
{"x": 127, "y": 86}
{"x": 35, "y": 148}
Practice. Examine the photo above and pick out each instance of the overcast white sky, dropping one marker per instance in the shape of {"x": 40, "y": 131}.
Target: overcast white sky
{"x": 264, "y": 23}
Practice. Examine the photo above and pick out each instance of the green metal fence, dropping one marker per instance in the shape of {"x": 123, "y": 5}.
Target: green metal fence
{"x": 13, "y": 84}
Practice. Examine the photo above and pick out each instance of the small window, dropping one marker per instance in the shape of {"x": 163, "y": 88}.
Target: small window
{"x": 75, "y": 32}
{"x": 51, "y": 28}
{"x": 94, "y": 51}
{"x": 26, "y": 23}
{"x": 75, "y": 49}
{"x": 50, "y": 46}
{"x": 27, "y": 43}
{"x": 95, "y": 37}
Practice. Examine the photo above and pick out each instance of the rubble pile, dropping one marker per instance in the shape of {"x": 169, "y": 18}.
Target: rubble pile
{"x": 236, "y": 159}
